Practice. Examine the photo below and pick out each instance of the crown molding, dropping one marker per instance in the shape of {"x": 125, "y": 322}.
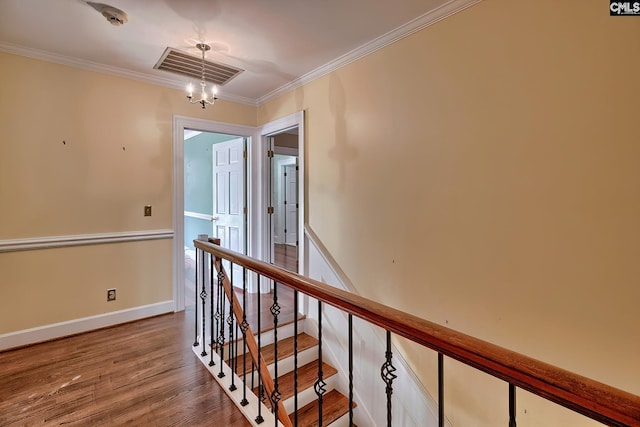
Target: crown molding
{"x": 106, "y": 69}
{"x": 450, "y": 8}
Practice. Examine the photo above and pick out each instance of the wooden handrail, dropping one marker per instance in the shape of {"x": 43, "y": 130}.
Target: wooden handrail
{"x": 591, "y": 398}
{"x": 252, "y": 345}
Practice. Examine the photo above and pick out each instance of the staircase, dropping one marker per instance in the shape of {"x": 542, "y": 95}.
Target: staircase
{"x": 585, "y": 396}
{"x": 292, "y": 368}
{"x": 335, "y": 406}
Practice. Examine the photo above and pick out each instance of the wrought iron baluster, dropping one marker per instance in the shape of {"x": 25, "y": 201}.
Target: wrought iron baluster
{"x": 275, "y": 312}
{"x": 512, "y": 406}
{"x": 203, "y": 297}
{"x": 216, "y": 315}
{"x": 195, "y": 286}
{"x": 320, "y": 386}
{"x": 221, "y": 300}
{"x": 295, "y": 358}
{"x": 350, "y": 369}
{"x": 244, "y": 326}
{"x": 387, "y": 372}
{"x": 234, "y": 368}
{"x": 259, "y": 418}
{"x": 440, "y": 390}
{"x": 232, "y": 387}
{"x": 211, "y": 304}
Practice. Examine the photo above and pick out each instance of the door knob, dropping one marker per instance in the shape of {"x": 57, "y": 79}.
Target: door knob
{"x": 214, "y": 218}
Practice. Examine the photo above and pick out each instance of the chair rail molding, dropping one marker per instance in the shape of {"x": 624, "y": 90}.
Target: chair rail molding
{"x": 50, "y": 242}
{"x": 198, "y": 215}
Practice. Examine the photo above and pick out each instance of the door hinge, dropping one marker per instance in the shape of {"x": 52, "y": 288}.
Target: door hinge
{"x": 285, "y": 174}
{"x": 285, "y": 230}
{"x": 245, "y": 154}
{"x": 296, "y": 167}
{"x": 244, "y": 210}
{"x": 270, "y": 153}
{"x": 297, "y": 206}
{"x": 296, "y": 243}
{"x": 285, "y": 202}
{"x": 270, "y": 210}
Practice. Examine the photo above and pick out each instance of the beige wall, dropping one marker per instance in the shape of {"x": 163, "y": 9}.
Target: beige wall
{"x": 42, "y": 287}
{"x": 483, "y": 173}
{"x": 82, "y": 153}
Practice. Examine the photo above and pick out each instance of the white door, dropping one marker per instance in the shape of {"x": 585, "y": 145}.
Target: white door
{"x": 228, "y": 197}
{"x": 291, "y": 204}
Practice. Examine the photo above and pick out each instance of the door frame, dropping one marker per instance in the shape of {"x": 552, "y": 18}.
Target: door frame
{"x": 180, "y": 123}
{"x": 257, "y": 187}
{"x": 265, "y": 131}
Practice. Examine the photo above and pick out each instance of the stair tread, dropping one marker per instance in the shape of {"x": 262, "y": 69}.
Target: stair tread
{"x": 334, "y": 406}
{"x": 307, "y": 376}
{"x": 285, "y": 349}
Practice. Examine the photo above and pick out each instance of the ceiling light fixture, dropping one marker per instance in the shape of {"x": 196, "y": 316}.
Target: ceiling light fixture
{"x": 205, "y": 98}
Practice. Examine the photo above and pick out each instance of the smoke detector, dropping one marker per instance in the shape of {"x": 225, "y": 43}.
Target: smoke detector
{"x": 114, "y": 16}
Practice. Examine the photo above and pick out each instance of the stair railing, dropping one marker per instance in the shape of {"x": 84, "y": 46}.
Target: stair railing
{"x": 237, "y": 317}
{"x": 601, "y": 402}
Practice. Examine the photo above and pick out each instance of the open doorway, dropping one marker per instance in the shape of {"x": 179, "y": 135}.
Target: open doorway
{"x": 214, "y": 196}
{"x": 194, "y": 216}
{"x": 257, "y": 220}
{"x": 283, "y": 192}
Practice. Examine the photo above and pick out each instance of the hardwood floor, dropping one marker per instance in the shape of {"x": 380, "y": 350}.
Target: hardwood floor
{"x": 285, "y": 300}
{"x": 140, "y": 374}
{"x": 286, "y": 256}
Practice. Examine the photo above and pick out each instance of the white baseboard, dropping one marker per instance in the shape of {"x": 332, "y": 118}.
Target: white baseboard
{"x": 85, "y": 324}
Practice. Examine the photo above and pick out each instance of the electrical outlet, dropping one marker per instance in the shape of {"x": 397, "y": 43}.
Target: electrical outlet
{"x": 147, "y": 210}
{"x": 111, "y": 294}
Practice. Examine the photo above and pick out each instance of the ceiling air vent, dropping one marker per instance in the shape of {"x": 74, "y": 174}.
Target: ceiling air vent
{"x": 182, "y": 63}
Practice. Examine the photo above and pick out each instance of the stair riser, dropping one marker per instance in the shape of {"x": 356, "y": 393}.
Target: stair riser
{"x": 308, "y": 395}
{"x": 286, "y": 365}
{"x": 285, "y": 331}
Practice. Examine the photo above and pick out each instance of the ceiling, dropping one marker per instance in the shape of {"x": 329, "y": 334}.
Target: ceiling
{"x": 279, "y": 43}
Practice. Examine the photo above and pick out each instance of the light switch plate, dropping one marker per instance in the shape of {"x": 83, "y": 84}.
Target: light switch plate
{"x": 147, "y": 210}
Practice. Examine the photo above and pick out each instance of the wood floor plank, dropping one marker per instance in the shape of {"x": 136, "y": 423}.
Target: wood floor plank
{"x": 141, "y": 374}
{"x": 334, "y": 406}
{"x": 286, "y": 256}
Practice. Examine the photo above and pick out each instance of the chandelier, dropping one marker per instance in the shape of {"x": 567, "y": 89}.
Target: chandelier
{"x": 205, "y": 99}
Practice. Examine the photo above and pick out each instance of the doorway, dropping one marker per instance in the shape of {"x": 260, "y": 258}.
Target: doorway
{"x": 283, "y": 178}
{"x": 258, "y": 221}
{"x": 214, "y": 196}
{"x": 193, "y": 192}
